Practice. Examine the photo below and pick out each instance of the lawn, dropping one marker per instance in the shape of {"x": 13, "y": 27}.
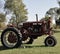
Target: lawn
{"x": 36, "y": 48}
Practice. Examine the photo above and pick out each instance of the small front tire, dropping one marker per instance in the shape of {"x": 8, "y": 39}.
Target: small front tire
{"x": 50, "y": 41}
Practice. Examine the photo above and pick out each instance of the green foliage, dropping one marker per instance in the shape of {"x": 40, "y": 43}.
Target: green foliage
{"x": 58, "y": 23}
{"x": 12, "y": 20}
{"x": 18, "y": 9}
{"x": 2, "y": 17}
{"x": 58, "y": 11}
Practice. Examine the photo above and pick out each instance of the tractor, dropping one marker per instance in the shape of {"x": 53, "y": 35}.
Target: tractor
{"x": 27, "y": 32}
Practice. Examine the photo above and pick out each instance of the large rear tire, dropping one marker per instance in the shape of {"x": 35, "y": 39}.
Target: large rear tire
{"x": 12, "y": 43}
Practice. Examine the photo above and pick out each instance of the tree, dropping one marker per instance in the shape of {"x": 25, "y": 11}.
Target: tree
{"x": 53, "y": 13}
{"x": 18, "y": 9}
{"x": 2, "y": 17}
{"x": 2, "y": 20}
{"x": 12, "y": 20}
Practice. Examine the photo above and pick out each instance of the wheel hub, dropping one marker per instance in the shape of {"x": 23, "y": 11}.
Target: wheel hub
{"x": 12, "y": 38}
{"x": 50, "y": 41}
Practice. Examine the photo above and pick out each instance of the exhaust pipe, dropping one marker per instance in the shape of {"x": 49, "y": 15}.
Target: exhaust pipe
{"x": 36, "y": 17}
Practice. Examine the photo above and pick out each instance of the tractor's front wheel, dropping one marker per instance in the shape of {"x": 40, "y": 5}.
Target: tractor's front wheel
{"x": 50, "y": 41}
{"x": 10, "y": 38}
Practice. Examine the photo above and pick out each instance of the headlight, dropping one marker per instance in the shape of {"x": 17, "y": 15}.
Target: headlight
{"x": 20, "y": 25}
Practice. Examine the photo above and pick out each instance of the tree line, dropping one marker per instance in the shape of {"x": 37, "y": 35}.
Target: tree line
{"x": 18, "y": 12}
{"x": 17, "y": 9}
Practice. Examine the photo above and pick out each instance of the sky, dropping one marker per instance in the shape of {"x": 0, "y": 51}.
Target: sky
{"x": 35, "y": 7}
{"x": 39, "y": 7}
{"x": 1, "y": 5}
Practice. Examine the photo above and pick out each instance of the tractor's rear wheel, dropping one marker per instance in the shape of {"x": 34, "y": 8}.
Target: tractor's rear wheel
{"x": 10, "y": 38}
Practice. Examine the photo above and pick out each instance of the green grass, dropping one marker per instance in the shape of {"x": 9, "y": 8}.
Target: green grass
{"x": 36, "y": 48}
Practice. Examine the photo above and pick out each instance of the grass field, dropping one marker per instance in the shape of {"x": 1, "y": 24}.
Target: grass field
{"x": 36, "y": 48}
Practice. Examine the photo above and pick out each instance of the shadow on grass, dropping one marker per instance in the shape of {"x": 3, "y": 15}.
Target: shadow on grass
{"x": 34, "y": 46}
{"x": 2, "y": 48}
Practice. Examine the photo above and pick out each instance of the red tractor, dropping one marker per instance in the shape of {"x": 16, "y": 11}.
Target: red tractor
{"x": 27, "y": 32}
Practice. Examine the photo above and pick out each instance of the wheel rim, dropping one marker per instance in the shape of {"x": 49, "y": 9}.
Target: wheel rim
{"x": 7, "y": 42}
{"x": 50, "y": 42}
